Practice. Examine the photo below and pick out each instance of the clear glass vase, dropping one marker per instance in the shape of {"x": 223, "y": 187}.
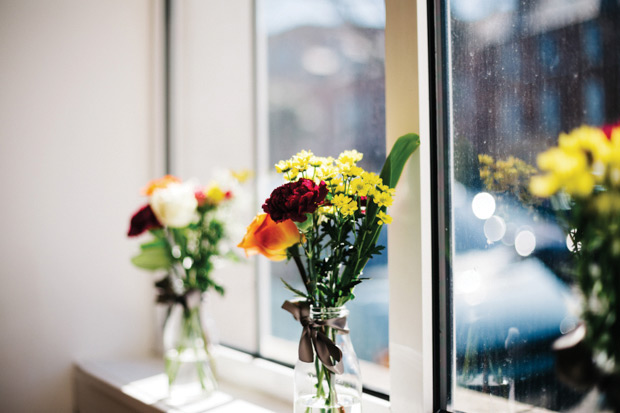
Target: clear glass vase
{"x": 188, "y": 362}
{"x": 317, "y": 389}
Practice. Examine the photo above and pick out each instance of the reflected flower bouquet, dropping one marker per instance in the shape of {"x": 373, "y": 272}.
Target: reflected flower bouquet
{"x": 582, "y": 177}
{"x": 186, "y": 232}
{"x": 327, "y": 218}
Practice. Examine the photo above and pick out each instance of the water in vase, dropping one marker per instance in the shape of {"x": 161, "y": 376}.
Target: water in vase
{"x": 311, "y": 404}
{"x": 189, "y": 374}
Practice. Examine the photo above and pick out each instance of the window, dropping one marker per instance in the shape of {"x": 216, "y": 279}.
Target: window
{"x": 531, "y": 71}
{"x": 323, "y": 89}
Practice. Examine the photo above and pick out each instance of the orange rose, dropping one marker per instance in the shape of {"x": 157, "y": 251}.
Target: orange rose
{"x": 159, "y": 183}
{"x": 265, "y": 236}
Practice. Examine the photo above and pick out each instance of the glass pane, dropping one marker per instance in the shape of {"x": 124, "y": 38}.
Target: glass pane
{"x": 520, "y": 73}
{"x": 325, "y": 93}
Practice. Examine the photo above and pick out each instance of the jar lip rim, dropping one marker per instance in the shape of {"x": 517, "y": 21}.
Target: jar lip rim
{"x": 313, "y": 308}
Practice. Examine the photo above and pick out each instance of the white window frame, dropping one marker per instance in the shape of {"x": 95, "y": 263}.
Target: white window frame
{"x": 196, "y": 75}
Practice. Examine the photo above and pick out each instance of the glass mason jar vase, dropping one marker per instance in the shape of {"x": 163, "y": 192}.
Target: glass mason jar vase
{"x": 188, "y": 362}
{"x": 317, "y": 389}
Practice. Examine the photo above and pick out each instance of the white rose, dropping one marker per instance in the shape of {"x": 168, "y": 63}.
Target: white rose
{"x": 175, "y": 205}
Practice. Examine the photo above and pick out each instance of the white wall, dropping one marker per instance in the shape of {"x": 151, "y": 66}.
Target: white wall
{"x": 76, "y": 128}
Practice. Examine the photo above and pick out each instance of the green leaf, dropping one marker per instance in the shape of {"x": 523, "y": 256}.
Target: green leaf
{"x": 292, "y": 289}
{"x": 152, "y": 258}
{"x": 219, "y": 288}
{"x": 393, "y": 167}
{"x": 156, "y": 243}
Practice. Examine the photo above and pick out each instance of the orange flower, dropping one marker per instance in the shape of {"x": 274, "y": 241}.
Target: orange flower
{"x": 159, "y": 183}
{"x": 271, "y": 239}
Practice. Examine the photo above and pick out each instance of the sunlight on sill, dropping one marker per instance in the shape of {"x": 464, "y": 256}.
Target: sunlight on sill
{"x": 474, "y": 401}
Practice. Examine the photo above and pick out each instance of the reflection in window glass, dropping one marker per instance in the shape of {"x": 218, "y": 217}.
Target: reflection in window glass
{"x": 592, "y": 43}
{"x": 594, "y": 101}
{"x": 325, "y": 92}
{"x": 550, "y": 110}
{"x": 522, "y": 72}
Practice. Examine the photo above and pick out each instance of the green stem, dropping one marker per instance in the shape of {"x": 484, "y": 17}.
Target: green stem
{"x": 323, "y": 374}
{"x": 315, "y": 251}
{"x": 191, "y": 333}
{"x": 197, "y": 332}
{"x": 319, "y": 378}
{"x": 302, "y": 271}
{"x": 173, "y": 364}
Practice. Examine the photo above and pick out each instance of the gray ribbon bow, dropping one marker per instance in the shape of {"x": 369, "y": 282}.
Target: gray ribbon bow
{"x": 312, "y": 336}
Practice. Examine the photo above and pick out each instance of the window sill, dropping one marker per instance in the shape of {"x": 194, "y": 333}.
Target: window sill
{"x": 247, "y": 384}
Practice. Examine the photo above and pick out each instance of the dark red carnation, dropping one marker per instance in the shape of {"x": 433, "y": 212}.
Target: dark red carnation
{"x": 607, "y": 129}
{"x": 143, "y": 220}
{"x": 294, "y": 200}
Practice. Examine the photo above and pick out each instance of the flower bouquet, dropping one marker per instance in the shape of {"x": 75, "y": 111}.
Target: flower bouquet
{"x": 186, "y": 233}
{"x": 582, "y": 179}
{"x": 327, "y": 218}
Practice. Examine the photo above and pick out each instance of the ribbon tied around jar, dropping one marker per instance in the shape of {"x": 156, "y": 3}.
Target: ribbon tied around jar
{"x": 312, "y": 336}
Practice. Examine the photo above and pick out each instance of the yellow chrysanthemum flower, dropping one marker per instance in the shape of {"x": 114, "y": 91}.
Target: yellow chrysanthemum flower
{"x": 348, "y": 209}
{"x": 581, "y": 186}
{"x": 385, "y": 188}
{"x": 242, "y": 175}
{"x": 485, "y": 159}
{"x": 304, "y": 156}
{"x": 371, "y": 178}
{"x": 614, "y": 175}
{"x": 544, "y": 185}
{"x": 383, "y": 199}
{"x": 383, "y": 218}
{"x": 343, "y": 168}
{"x": 214, "y": 194}
{"x": 356, "y": 171}
{"x": 607, "y": 203}
{"x": 349, "y": 170}
{"x": 591, "y": 141}
{"x": 283, "y": 166}
{"x": 327, "y": 172}
{"x": 301, "y": 166}
{"x": 316, "y": 161}
{"x": 350, "y": 157}
{"x": 614, "y": 155}
{"x": 291, "y": 175}
{"x": 341, "y": 200}
{"x": 568, "y": 169}
{"x": 359, "y": 187}
{"x": 345, "y": 205}
{"x": 337, "y": 181}
{"x": 327, "y": 209}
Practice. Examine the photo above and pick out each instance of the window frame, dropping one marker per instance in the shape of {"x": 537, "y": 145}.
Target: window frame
{"x": 440, "y": 129}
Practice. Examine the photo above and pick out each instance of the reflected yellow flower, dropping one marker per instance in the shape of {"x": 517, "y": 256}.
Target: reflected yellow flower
{"x": 484, "y": 159}
{"x": 242, "y": 175}
{"x": 589, "y": 141}
{"x": 214, "y": 194}
{"x": 607, "y": 203}
{"x": 544, "y": 185}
